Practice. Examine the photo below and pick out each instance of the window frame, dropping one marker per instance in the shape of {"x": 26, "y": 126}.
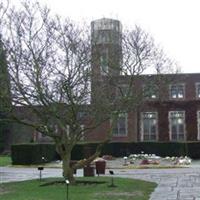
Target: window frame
{"x": 145, "y": 87}
{"x": 104, "y": 70}
{"x": 170, "y": 91}
{"x": 123, "y": 91}
{"x": 118, "y": 128}
{"x": 82, "y": 126}
{"x": 142, "y": 126}
{"x": 196, "y": 90}
{"x": 170, "y": 125}
{"x": 198, "y": 124}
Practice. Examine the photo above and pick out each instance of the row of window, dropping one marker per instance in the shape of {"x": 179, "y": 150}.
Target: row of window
{"x": 176, "y": 91}
{"x": 38, "y": 135}
{"x": 149, "y": 126}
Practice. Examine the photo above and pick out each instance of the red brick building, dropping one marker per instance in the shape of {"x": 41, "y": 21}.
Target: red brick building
{"x": 168, "y": 112}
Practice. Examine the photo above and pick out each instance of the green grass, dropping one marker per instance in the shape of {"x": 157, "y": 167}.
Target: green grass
{"x": 127, "y": 189}
{"x": 5, "y": 160}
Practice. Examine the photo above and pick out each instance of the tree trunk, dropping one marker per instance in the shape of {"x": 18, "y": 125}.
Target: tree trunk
{"x": 65, "y": 155}
{"x": 67, "y": 170}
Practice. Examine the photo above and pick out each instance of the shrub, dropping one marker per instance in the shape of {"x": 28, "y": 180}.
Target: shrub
{"x": 25, "y": 154}
{"x": 163, "y": 149}
{"x": 33, "y": 153}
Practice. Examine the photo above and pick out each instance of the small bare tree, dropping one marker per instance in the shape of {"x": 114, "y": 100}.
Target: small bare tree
{"x": 49, "y": 60}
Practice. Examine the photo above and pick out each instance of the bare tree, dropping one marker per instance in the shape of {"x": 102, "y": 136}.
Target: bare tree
{"x": 49, "y": 60}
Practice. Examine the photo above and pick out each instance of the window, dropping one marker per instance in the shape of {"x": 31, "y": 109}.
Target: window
{"x": 198, "y": 125}
{"x": 82, "y": 115}
{"x": 123, "y": 91}
{"x": 177, "y": 91}
{"x": 120, "y": 125}
{"x": 68, "y": 131}
{"x": 149, "y": 124}
{"x": 177, "y": 125}
{"x": 150, "y": 91}
{"x": 80, "y": 132}
{"x": 198, "y": 90}
{"x": 104, "y": 62}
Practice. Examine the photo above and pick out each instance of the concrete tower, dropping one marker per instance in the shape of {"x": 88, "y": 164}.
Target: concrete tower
{"x": 106, "y": 46}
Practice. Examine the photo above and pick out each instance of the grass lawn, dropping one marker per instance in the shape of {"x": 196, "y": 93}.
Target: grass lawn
{"x": 5, "y": 160}
{"x": 126, "y": 189}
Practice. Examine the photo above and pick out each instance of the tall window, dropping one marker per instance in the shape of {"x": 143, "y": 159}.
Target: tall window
{"x": 149, "y": 124}
{"x": 80, "y": 133}
{"x": 177, "y": 91}
{"x": 104, "y": 62}
{"x": 198, "y": 90}
{"x": 123, "y": 91}
{"x": 177, "y": 125}
{"x": 82, "y": 115}
{"x": 120, "y": 124}
{"x": 198, "y": 125}
{"x": 150, "y": 91}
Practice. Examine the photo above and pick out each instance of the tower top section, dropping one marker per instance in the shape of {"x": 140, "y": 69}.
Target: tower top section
{"x": 106, "y": 24}
{"x": 105, "y": 31}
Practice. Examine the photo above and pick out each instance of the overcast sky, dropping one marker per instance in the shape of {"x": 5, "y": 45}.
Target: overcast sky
{"x": 174, "y": 24}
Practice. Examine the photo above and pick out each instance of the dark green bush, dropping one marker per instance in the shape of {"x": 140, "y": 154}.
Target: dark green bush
{"x": 160, "y": 148}
{"x": 77, "y": 152}
{"x": 163, "y": 149}
{"x": 2, "y": 127}
{"x": 33, "y": 153}
{"x": 81, "y": 151}
{"x": 1, "y": 147}
{"x": 193, "y": 149}
{"x": 25, "y": 154}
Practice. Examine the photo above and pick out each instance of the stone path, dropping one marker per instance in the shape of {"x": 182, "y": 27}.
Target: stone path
{"x": 11, "y": 174}
{"x": 173, "y": 184}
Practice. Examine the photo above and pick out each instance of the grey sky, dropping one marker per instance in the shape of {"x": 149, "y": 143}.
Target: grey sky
{"x": 174, "y": 24}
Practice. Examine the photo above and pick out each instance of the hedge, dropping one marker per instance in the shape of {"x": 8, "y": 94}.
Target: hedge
{"x": 2, "y": 127}
{"x": 33, "y": 153}
{"x": 191, "y": 149}
{"x": 1, "y": 146}
{"x": 25, "y": 154}
{"x": 118, "y": 149}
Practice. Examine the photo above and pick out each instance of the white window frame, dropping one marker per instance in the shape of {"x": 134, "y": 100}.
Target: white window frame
{"x": 170, "y": 91}
{"x": 82, "y": 115}
{"x": 82, "y": 126}
{"x": 198, "y": 125}
{"x": 153, "y": 96}
{"x": 126, "y": 126}
{"x": 142, "y": 125}
{"x": 104, "y": 69}
{"x": 68, "y": 131}
{"x": 123, "y": 90}
{"x": 170, "y": 127}
{"x": 196, "y": 90}
{"x": 82, "y": 132}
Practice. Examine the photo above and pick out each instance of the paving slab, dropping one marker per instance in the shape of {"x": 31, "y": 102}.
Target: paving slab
{"x": 12, "y": 174}
{"x": 173, "y": 184}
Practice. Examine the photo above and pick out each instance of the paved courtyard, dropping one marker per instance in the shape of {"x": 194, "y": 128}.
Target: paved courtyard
{"x": 173, "y": 184}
